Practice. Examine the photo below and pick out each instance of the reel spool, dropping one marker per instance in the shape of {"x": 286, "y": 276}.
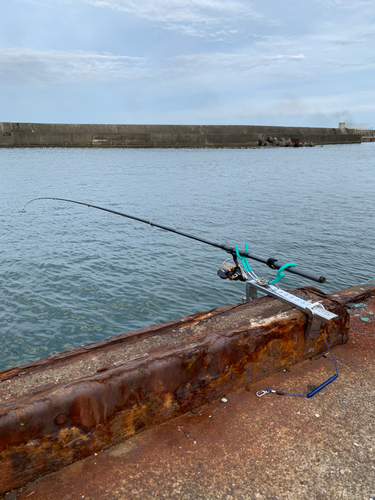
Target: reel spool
{"x": 231, "y": 271}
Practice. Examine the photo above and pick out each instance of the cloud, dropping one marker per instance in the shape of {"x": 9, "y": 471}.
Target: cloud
{"x": 336, "y": 39}
{"x": 323, "y": 47}
{"x": 346, "y": 4}
{"x": 323, "y": 110}
{"x": 201, "y": 18}
{"x": 235, "y": 62}
{"x": 27, "y": 66}
{"x": 347, "y": 42}
{"x": 337, "y": 107}
{"x": 273, "y": 40}
{"x": 353, "y": 66}
{"x": 291, "y": 105}
{"x": 310, "y": 107}
{"x": 21, "y": 66}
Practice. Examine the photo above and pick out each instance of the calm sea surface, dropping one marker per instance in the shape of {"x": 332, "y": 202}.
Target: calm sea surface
{"x": 71, "y": 275}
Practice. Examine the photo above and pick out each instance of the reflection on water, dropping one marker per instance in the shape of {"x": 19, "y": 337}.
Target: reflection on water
{"x": 71, "y": 275}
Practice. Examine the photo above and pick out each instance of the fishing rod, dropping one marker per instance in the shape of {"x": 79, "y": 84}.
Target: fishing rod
{"x": 232, "y": 274}
{"x": 241, "y": 270}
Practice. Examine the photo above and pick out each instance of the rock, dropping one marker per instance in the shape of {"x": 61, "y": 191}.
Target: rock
{"x": 196, "y": 410}
{"x": 11, "y": 495}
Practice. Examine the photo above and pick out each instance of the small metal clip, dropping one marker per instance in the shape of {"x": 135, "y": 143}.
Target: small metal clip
{"x": 316, "y": 305}
{"x": 262, "y": 281}
{"x": 261, "y": 393}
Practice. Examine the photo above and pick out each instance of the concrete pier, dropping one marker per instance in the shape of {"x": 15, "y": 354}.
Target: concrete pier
{"x": 249, "y": 448}
{"x": 239, "y": 447}
{"x": 64, "y": 408}
{"x": 167, "y": 136}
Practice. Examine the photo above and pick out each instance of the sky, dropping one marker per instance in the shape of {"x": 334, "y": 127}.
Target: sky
{"x": 224, "y": 62}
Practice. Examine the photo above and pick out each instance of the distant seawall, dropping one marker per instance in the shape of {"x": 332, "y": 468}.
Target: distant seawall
{"x": 159, "y": 136}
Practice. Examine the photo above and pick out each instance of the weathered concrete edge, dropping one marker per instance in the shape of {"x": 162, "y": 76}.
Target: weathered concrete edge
{"x": 56, "y": 428}
{"x": 354, "y": 294}
{"x": 134, "y": 335}
{"x": 78, "y": 419}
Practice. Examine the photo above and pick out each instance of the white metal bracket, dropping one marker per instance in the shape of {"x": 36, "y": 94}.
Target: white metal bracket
{"x": 316, "y": 312}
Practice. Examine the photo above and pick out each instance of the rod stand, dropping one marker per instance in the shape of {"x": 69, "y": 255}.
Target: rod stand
{"x": 316, "y": 313}
{"x": 251, "y": 292}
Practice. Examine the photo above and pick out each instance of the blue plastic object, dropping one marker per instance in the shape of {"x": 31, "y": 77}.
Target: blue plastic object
{"x": 312, "y": 393}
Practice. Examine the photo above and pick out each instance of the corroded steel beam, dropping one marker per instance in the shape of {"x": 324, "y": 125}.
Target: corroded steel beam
{"x": 66, "y": 407}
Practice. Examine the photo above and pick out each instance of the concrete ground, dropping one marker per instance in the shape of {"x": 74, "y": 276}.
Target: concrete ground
{"x": 269, "y": 448}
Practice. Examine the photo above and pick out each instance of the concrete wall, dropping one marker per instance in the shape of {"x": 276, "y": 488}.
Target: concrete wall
{"x": 368, "y": 135}
{"x": 77, "y": 135}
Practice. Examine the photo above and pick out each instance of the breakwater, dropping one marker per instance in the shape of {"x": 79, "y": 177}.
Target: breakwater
{"x": 159, "y": 136}
{"x": 368, "y": 135}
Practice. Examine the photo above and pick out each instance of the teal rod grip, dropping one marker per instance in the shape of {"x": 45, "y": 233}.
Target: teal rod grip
{"x": 243, "y": 259}
{"x": 280, "y": 274}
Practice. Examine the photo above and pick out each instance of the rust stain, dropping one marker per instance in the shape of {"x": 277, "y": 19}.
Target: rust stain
{"x": 168, "y": 400}
{"x": 44, "y": 432}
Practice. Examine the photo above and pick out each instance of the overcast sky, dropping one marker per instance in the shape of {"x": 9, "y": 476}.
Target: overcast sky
{"x": 274, "y": 62}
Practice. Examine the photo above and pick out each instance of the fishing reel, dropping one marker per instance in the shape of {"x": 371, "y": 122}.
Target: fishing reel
{"x": 231, "y": 271}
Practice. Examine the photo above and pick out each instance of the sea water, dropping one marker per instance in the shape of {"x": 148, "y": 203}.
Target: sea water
{"x": 71, "y": 275}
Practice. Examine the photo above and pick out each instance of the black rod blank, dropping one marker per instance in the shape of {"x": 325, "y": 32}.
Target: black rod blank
{"x": 275, "y": 265}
